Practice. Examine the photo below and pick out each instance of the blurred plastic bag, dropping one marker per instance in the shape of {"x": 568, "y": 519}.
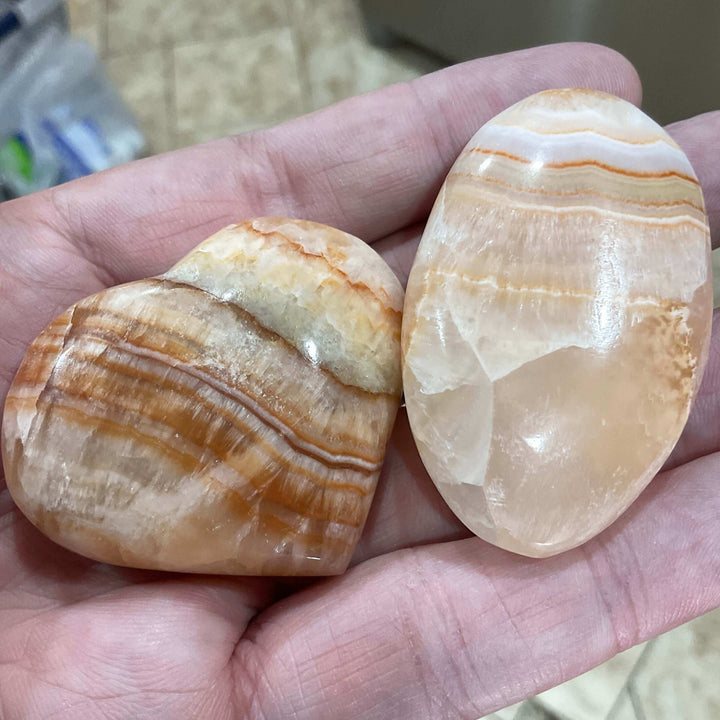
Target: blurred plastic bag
{"x": 60, "y": 117}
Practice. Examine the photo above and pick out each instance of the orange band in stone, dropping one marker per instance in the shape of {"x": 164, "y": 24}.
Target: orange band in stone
{"x": 557, "y": 319}
{"x": 230, "y": 416}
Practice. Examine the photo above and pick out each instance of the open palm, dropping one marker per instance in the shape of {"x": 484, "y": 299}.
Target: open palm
{"x": 429, "y": 623}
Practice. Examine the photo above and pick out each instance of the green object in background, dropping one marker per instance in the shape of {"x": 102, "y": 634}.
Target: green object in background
{"x": 16, "y": 158}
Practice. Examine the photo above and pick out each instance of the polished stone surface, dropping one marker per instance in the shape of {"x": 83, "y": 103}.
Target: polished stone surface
{"x": 557, "y": 319}
{"x": 229, "y": 416}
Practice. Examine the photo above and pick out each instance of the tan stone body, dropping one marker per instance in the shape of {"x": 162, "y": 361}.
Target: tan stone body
{"x": 229, "y": 416}
{"x": 557, "y": 319}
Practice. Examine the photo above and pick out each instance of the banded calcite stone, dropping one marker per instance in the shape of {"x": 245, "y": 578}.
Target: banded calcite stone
{"x": 557, "y": 319}
{"x": 229, "y": 416}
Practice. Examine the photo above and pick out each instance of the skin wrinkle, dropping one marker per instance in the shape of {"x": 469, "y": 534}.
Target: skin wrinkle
{"x": 312, "y": 672}
{"x": 441, "y": 600}
{"x": 413, "y": 643}
{"x": 509, "y": 616}
{"x": 597, "y": 574}
{"x": 298, "y": 183}
{"x": 283, "y": 184}
{"x": 542, "y": 669}
{"x": 248, "y": 680}
{"x": 355, "y": 158}
{"x": 436, "y": 138}
{"x": 123, "y": 662}
{"x": 101, "y": 274}
{"x": 23, "y": 277}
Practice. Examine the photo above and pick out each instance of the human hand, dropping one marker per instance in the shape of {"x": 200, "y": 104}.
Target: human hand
{"x": 428, "y": 623}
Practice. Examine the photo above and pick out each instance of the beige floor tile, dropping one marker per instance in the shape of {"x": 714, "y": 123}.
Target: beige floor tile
{"x": 141, "y": 24}
{"x": 236, "y": 83}
{"x": 681, "y": 677}
{"x": 336, "y": 57}
{"x": 324, "y": 21}
{"x": 87, "y": 18}
{"x": 143, "y": 81}
{"x": 591, "y": 696}
{"x": 352, "y": 66}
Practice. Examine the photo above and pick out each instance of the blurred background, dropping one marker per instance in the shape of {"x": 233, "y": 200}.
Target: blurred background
{"x": 145, "y": 76}
{"x": 87, "y": 84}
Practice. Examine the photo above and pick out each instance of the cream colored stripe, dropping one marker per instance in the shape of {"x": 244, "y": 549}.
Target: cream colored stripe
{"x": 502, "y": 199}
{"x": 492, "y": 282}
{"x": 330, "y": 316}
{"x": 588, "y": 191}
{"x": 655, "y": 157}
{"x": 580, "y": 130}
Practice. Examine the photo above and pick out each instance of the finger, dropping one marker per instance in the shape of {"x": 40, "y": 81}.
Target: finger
{"x": 460, "y": 629}
{"x": 369, "y": 165}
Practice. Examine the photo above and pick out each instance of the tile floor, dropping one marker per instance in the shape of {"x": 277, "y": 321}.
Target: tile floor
{"x": 191, "y": 71}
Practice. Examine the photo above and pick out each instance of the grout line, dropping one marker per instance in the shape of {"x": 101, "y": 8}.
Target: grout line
{"x": 170, "y": 95}
{"x": 636, "y": 703}
{"x": 628, "y": 686}
{"x": 539, "y": 709}
{"x": 306, "y": 95}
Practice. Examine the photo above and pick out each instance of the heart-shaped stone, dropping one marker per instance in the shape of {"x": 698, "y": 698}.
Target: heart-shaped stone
{"x": 557, "y": 319}
{"x": 229, "y": 416}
